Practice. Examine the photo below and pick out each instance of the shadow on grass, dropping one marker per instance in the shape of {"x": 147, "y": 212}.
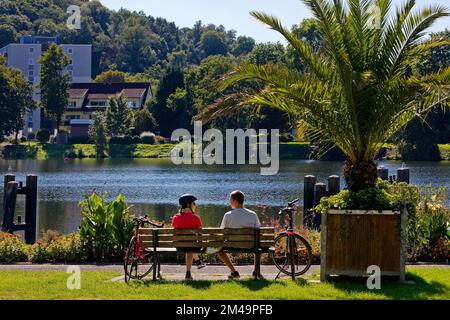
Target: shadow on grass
{"x": 250, "y": 284}
{"x": 391, "y": 288}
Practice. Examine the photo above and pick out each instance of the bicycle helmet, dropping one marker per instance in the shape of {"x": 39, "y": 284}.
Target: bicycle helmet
{"x": 186, "y": 199}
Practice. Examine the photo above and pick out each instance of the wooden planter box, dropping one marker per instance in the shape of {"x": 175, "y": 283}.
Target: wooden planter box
{"x": 353, "y": 240}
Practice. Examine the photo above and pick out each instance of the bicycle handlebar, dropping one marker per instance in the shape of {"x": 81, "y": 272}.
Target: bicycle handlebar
{"x": 144, "y": 220}
{"x": 289, "y": 207}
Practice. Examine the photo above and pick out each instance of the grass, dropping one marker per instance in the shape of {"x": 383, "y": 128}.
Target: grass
{"x": 431, "y": 283}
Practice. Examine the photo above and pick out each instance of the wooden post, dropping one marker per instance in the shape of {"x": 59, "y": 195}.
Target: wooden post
{"x": 334, "y": 185}
{"x": 31, "y": 209}
{"x": 308, "y": 195}
{"x": 403, "y": 244}
{"x": 257, "y": 271}
{"x": 320, "y": 190}
{"x": 383, "y": 172}
{"x": 323, "y": 249}
{"x": 403, "y": 175}
{"x": 155, "y": 252}
{"x": 9, "y": 206}
{"x": 8, "y": 178}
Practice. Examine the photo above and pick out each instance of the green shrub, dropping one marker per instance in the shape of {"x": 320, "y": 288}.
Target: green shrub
{"x": 43, "y": 135}
{"x": 106, "y": 227}
{"x": 23, "y": 139}
{"x": 55, "y": 248}
{"x": 385, "y": 196}
{"x": 12, "y": 249}
{"x": 124, "y": 140}
{"x": 31, "y": 136}
{"x": 148, "y": 138}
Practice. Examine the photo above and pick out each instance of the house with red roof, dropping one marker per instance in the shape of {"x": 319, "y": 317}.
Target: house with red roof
{"x": 86, "y": 98}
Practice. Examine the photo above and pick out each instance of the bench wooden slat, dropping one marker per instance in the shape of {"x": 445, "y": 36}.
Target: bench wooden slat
{"x": 180, "y": 244}
{"x": 161, "y": 231}
{"x": 146, "y": 237}
{"x": 226, "y": 244}
{"x": 227, "y": 237}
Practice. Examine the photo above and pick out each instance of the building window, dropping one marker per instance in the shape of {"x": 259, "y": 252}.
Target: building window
{"x": 31, "y": 80}
{"x": 70, "y": 62}
{"x": 70, "y": 51}
{"x": 30, "y": 73}
{"x": 97, "y": 103}
{"x": 30, "y": 61}
{"x": 31, "y": 50}
{"x": 72, "y": 104}
{"x": 132, "y": 104}
{"x": 30, "y": 67}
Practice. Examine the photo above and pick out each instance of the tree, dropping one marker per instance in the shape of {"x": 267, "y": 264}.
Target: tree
{"x": 97, "y": 132}
{"x": 54, "y": 84}
{"x": 119, "y": 116}
{"x": 135, "y": 52}
{"x": 358, "y": 92}
{"x": 7, "y": 35}
{"x": 243, "y": 46}
{"x": 112, "y": 76}
{"x": 212, "y": 43}
{"x": 16, "y": 99}
{"x": 172, "y": 79}
{"x": 144, "y": 121}
{"x": 264, "y": 53}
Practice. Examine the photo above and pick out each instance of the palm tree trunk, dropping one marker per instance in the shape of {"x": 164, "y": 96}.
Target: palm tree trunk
{"x": 360, "y": 175}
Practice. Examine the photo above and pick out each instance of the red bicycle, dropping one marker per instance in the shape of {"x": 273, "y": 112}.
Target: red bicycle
{"x": 138, "y": 262}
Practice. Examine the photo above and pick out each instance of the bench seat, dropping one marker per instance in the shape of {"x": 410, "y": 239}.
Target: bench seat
{"x": 243, "y": 240}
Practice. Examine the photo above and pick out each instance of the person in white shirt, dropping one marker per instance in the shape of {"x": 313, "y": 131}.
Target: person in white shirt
{"x": 238, "y": 217}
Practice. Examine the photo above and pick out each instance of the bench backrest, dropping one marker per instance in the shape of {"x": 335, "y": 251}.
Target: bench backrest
{"x": 208, "y": 237}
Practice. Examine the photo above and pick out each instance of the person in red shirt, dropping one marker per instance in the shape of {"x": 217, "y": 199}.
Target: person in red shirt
{"x": 187, "y": 219}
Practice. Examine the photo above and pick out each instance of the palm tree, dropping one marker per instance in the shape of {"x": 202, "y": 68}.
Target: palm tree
{"x": 359, "y": 89}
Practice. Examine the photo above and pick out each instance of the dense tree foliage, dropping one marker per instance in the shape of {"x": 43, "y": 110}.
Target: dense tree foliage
{"x": 16, "y": 99}
{"x": 54, "y": 84}
{"x": 119, "y": 117}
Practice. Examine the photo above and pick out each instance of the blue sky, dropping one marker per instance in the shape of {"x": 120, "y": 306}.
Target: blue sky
{"x": 234, "y": 14}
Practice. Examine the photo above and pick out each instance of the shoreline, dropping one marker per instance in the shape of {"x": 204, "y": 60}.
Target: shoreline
{"x": 288, "y": 151}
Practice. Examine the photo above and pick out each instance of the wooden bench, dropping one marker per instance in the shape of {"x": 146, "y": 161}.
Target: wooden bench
{"x": 161, "y": 240}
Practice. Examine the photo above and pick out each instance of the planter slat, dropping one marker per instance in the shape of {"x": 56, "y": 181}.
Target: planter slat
{"x": 354, "y": 240}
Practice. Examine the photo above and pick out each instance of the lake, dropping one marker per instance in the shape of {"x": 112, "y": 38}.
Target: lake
{"x": 153, "y": 186}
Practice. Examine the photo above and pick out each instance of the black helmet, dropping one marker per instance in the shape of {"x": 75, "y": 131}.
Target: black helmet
{"x": 185, "y": 199}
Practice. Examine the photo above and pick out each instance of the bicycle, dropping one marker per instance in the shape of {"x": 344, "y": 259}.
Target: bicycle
{"x": 296, "y": 258}
{"x": 138, "y": 262}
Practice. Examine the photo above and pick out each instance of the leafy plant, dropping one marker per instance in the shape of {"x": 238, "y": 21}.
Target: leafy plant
{"x": 106, "y": 227}
{"x": 11, "y": 248}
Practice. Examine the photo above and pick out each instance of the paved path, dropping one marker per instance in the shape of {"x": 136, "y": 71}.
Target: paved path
{"x": 176, "y": 272}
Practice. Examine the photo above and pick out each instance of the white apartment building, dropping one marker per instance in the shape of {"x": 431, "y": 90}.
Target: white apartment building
{"x": 25, "y": 57}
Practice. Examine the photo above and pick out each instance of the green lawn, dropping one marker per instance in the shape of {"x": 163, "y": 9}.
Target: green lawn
{"x": 430, "y": 283}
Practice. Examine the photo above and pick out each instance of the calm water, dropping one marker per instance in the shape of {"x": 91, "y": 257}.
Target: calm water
{"x": 153, "y": 185}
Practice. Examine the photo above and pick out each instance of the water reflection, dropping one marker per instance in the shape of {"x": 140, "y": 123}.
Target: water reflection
{"x": 154, "y": 185}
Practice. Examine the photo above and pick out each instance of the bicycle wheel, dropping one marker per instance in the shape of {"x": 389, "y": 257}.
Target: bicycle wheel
{"x": 301, "y": 258}
{"x": 137, "y": 263}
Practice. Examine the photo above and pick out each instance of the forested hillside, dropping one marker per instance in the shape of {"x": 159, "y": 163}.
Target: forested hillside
{"x": 183, "y": 63}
